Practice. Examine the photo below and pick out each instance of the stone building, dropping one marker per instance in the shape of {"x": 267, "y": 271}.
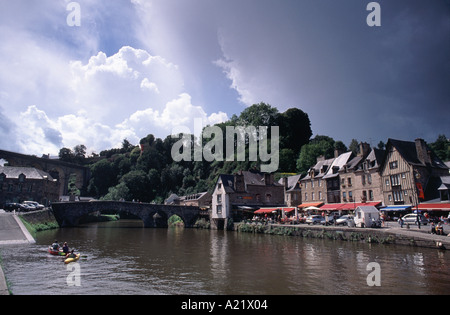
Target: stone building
{"x": 18, "y": 184}
{"x": 409, "y": 173}
{"x": 313, "y": 186}
{"x": 360, "y": 177}
{"x": 332, "y": 177}
{"x": 237, "y": 196}
{"x": 292, "y": 190}
{"x": 201, "y": 200}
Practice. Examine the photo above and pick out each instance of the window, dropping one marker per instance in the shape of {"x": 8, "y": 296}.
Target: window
{"x": 312, "y": 184}
{"x": 363, "y": 179}
{"x": 320, "y": 195}
{"x": 219, "y": 185}
{"x": 350, "y": 196}
{"x": 393, "y": 165}
{"x": 395, "y": 180}
{"x": 320, "y": 182}
{"x": 387, "y": 182}
{"x": 219, "y": 209}
{"x": 268, "y": 197}
{"x": 370, "y": 195}
{"x": 21, "y": 178}
{"x": 349, "y": 182}
{"x": 398, "y": 195}
{"x": 219, "y": 198}
{"x": 312, "y": 196}
{"x": 369, "y": 178}
{"x": 306, "y": 196}
{"x": 344, "y": 196}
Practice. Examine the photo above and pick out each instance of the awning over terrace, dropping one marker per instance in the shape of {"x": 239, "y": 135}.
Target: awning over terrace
{"x": 271, "y": 210}
{"x": 434, "y": 206}
{"x": 347, "y": 206}
{"x": 397, "y": 208}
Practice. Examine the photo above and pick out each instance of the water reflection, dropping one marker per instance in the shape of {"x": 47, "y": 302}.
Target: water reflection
{"x": 124, "y": 258}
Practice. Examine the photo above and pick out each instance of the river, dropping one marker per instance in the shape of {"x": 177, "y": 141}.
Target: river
{"x": 123, "y": 258}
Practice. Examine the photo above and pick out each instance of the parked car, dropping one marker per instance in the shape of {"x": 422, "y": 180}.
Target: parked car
{"x": 344, "y": 219}
{"x": 412, "y": 219}
{"x": 37, "y": 205}
{"x": 26, "y": 207}
{"x": 9, "y": 207}
{"x": 314, "y": 219}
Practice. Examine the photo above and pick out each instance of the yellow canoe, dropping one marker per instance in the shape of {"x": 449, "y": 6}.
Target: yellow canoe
{"x": 69, "y": 260}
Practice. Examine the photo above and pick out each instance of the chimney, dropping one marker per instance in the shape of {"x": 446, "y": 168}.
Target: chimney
{"x": 268, "y": 179}
{"x": 239, "y": 184}
{"x": 285, "y": 182}
{"x": 423, "y": 153}
{"x": 337, "y": 152}
{"x": 364, "y": 149}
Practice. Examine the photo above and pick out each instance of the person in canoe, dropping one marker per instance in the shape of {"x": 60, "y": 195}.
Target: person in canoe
{"x": 55, "y": 246}
{"x": 65, "y": 248}
{"x": 71, "y": 255}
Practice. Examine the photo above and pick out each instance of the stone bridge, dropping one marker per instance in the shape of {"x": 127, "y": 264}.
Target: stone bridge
{"x": 68, "y": 214}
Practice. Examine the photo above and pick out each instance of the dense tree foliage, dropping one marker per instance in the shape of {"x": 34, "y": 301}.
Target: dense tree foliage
{"x": 148, "y": 173}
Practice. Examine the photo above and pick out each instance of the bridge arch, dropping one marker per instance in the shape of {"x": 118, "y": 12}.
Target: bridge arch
{"x": 154, "y": 216}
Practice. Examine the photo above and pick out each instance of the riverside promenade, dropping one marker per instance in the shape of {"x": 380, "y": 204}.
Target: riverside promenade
{"x": 12, "y": 232}
{"x": 390, "y": 233}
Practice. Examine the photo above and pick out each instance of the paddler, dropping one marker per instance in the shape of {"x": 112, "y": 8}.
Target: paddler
{"x": 65, "y": 248}
{"x": 55, "y": 245}
{"x": 71, "y": 255}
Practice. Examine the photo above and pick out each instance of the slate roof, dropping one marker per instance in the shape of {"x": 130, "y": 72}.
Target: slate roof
{"x": 338, "y": 164}
{"x": 250, "y": 178}
{"x": 292, "y": 184}
{"x": 407, "y": 150}
{"x": 13, "y": 172}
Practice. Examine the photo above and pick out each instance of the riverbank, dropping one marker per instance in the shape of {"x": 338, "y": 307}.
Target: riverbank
{"x": 385, "y": 235}
{"x": 3, "y": 286}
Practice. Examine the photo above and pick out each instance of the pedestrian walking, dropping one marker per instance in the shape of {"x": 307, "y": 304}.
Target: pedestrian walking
{"x": 400, "y": 221}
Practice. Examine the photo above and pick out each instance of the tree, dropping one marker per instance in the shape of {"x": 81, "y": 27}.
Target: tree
{"x": 138, "y": 185}
{"x": 257, "y": 115}
{"x": 66, "y": 155}
{"x": 441, "y": 147}
{"x": 103, "y": 176}
{"x": 80, "y": 151}
{"x": 295, "y": 129}
{"x": 354, "y": 146}
{"x": 320, "y": 145}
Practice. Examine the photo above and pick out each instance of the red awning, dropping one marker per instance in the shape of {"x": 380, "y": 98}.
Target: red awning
{"x": 270, "y": 210}
{"x": 434, "y": 206}
{"x": 348, "y": 206}
{"x": 262, "y": 211}
{"x": 311, "y": 204}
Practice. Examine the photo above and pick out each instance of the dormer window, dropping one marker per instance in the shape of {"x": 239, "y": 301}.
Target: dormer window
{"x": 21, "y": 178}
{"x": 2, "y": 177}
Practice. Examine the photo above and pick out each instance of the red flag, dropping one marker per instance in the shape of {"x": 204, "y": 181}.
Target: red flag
{"x": 420, "y": 189}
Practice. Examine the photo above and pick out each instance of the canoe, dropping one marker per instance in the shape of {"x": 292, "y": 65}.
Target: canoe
{"x": 56, "y": 252}
{"x": 70, "y": 260}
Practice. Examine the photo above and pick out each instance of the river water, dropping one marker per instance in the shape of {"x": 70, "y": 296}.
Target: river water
{"x": 123, "y": 258}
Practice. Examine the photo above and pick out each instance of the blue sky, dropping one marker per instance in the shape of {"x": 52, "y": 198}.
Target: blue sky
{"x": 136, "y": 67}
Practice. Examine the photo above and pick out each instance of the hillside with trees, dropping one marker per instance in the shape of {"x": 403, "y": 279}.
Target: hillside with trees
{"x": 147, "y": 172}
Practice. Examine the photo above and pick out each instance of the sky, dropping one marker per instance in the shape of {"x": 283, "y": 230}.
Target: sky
{"x": 138, "y": 67}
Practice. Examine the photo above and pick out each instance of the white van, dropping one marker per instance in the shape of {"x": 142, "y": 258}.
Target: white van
{"x": 367, "y": 216}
